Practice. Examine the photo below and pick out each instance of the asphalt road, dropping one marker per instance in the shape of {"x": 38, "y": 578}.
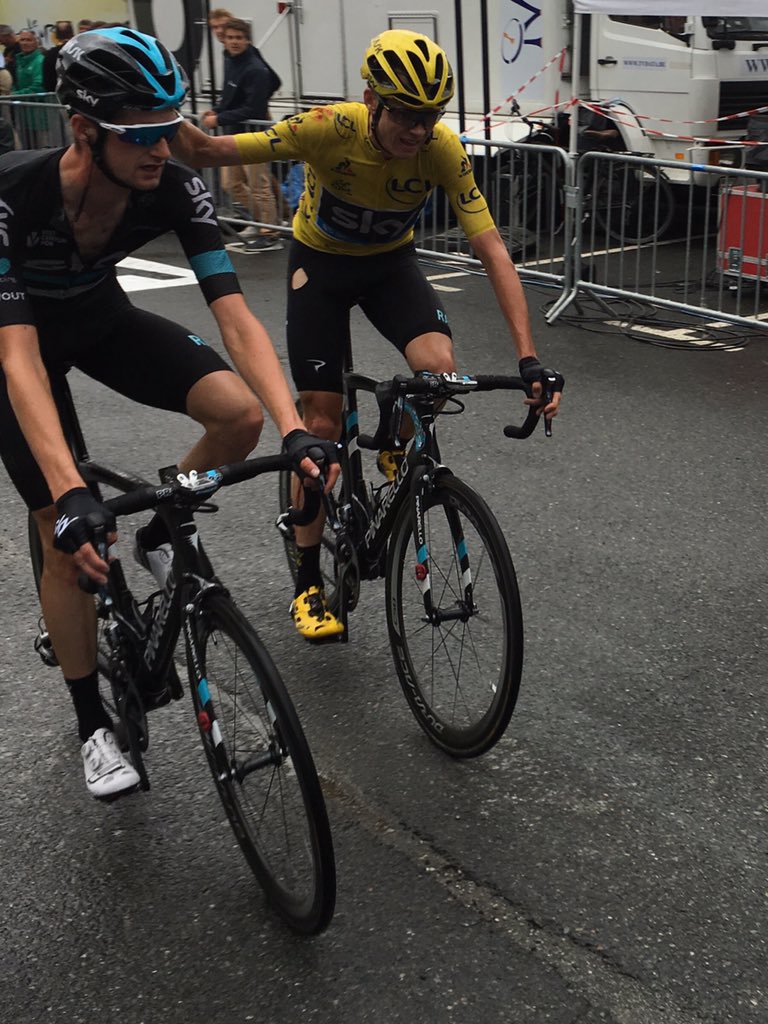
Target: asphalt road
{"x": 605, "y": 862}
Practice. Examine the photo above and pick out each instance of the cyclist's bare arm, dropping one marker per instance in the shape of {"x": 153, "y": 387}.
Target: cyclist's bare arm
{"x": 30, "y": 395}
{"x": 490, "y": 249}
{"x": 198, "y": 149}
{"x": 252, "y": 352}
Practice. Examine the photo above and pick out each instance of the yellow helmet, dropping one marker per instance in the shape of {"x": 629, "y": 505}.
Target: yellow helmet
{"x": 408, "y": 67}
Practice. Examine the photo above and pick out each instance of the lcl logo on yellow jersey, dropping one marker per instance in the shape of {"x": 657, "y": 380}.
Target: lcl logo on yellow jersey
{"x": 408, "y": 190}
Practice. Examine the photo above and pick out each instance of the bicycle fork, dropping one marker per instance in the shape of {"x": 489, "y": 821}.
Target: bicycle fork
{"x": 463, "y": 610}
{"x": 228, "y": 768}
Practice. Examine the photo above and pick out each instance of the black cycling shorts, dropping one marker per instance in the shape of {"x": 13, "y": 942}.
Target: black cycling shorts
{"x": 390, "y": 288}
{"x": 140, "y": 355}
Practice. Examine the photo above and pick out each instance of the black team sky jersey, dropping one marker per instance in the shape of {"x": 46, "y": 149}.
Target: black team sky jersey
{"x": 39, "y": 254}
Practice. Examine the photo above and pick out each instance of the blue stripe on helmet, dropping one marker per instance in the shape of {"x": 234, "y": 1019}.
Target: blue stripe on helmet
{"x": 131, "y": 39}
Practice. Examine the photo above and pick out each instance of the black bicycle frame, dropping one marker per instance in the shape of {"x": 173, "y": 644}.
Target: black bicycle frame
{"x": 418, "y": 470}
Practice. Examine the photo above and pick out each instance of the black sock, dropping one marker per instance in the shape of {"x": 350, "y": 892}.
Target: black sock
{"x": 307, "y": 569}
{"x": 91, "y": 713}
{"x": 154, "y": 534}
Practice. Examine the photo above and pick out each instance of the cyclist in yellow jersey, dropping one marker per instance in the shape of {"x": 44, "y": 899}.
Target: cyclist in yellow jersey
{"x": 370, "y": 168}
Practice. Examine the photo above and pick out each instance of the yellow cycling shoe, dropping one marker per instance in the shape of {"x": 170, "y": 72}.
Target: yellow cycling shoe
{"x": 389, "y": 462}
{"x": 311, "y": 617}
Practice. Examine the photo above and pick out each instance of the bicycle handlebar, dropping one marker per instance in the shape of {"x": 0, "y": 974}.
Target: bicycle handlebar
{"x": 198, "y": 488}
{"x": 441, "y": 386}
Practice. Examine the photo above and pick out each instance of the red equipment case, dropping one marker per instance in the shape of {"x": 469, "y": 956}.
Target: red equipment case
{"x": 743, "y": 237}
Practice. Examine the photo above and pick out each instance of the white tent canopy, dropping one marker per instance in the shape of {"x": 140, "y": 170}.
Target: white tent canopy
{"x": 716, "y": 8}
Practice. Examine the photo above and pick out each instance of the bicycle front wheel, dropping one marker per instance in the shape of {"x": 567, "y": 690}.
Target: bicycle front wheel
{"x": 460, "y": 664}
{"x": 262, "y": 766}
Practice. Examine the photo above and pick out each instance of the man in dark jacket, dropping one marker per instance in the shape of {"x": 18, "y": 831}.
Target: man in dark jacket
{"x": 11, "y": 48}
{"x": 62, "y": 31}
{"x": 248, "y": 85}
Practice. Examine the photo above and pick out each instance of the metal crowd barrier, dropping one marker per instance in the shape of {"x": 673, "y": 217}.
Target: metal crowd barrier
{"x": 601, "y": 224}
{"x": 38, "y": 121}
{"x": 697, "y": 249}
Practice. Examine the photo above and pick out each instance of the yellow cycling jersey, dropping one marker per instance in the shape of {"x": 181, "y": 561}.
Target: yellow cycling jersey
{"x": 355, "y": 200}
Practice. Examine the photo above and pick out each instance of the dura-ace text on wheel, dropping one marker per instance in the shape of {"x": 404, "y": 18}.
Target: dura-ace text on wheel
{"x": 262, "y": 767}
{"x": 460, "y": 672}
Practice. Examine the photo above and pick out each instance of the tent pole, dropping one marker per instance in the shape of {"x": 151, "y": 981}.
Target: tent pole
{"x": 573, "y": 145}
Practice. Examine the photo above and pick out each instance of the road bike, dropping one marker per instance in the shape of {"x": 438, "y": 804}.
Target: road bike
{"x": 453, "y": 608}
{"x": 254, "y": 743}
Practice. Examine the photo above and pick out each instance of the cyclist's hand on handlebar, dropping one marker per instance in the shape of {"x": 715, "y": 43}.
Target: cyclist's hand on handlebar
{"x": 546, "y": 385}
{"x": 312, "y": 456}
{"x": 79, "y": 518}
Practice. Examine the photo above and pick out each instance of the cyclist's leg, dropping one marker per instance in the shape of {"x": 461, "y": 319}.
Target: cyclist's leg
{"x": 159, "y": 363}
{"x": 320, "y": 296}
{"x": 69, "y": 616}
{"x": 417, "y": 325}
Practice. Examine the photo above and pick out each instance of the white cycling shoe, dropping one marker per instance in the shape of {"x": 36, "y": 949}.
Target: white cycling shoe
{"x": 107, "y": 773}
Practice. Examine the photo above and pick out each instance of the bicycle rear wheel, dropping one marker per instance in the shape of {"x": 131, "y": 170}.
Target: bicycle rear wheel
{"x": 262, "y": 766}
{"x": 460, "y": 670}
{"x": 634, "y": 205}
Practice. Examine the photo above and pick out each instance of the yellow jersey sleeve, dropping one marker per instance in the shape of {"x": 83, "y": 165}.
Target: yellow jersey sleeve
{"x": 356, "y": 201}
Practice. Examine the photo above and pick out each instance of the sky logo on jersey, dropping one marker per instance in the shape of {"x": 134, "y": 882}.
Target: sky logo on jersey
{"x": 205, "y": 212}
{"x": 5, "y": 266}
{"x": 5, "y": 213}
{"x": 359, "y": 225}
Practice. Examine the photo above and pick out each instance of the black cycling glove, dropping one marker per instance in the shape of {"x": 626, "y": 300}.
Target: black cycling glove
{"x": 299, "y": 445}
{"x": 531, "y": 371}
{"x": 79, "y": 515}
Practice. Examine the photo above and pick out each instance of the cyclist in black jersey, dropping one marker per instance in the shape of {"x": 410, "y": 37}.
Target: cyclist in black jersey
{"x": 67, "y": 217}
{"x": 369, "y": 171}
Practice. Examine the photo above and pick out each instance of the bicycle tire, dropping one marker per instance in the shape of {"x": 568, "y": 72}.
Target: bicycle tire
{"x": 276, "y": 809}
{"x": 634, "y": 211}
{"x": 461, "y": 678}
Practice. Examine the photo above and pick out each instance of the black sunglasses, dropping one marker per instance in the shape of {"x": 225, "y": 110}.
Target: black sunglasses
{"x": 413, "y": 118}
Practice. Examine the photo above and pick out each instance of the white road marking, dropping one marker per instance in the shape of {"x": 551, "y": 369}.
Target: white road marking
{"x": 446, "y": 287}
{"x": 174, "y": 277}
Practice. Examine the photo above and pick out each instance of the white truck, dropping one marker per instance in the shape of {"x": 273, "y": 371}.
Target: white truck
{"x": 679, "y": 77}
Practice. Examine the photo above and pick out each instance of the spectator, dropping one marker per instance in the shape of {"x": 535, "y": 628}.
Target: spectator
{"x": 11, "y": 48}
{"x": 84, "y": 25}
{"x": 217, "y": 19}
{"x": 61, "y": 33}
{"x": 31, "y": 124}
{"x": 247, "y": 88}
{"x": 29, "y": 64}
{"x": 6, "y": 131}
